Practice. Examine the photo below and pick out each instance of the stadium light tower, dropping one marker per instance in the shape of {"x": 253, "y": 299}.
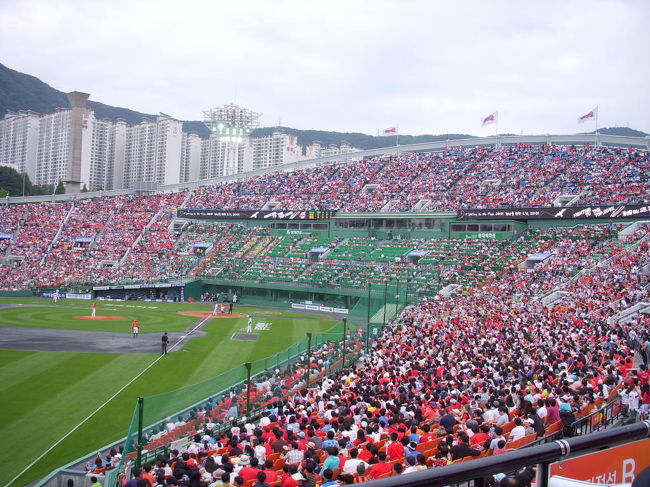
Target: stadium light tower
{"x": 230, "y": 125}
{"x": 231, "y": 121}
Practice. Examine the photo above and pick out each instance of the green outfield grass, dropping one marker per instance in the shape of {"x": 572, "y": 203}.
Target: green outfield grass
{"x": 46, "y": 394}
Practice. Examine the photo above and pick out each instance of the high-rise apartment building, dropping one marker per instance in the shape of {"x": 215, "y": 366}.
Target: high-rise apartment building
{"x": 152, "y": 153}
{"x": 72, "y": 146}
{"x": 53, "y": 151}
{"x": 191, "y": 150}
{"x": 19, "y": 141}
{"x": 274, "y": 150}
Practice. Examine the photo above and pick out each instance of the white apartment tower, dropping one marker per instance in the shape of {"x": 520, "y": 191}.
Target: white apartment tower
{"x": 191, "y": 151}
{"x": 19, "y": 141}
{"x": 274, "y": 150}
{"x": 106, "y": 154}
{"x": 152, "y": 153}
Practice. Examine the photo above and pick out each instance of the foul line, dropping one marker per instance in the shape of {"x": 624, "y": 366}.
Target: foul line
{"x": 199, "y": 324}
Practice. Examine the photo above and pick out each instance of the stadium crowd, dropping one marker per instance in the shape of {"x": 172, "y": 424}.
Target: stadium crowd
{"x": 453, "y": 378}
{"x": 129, "y": 238}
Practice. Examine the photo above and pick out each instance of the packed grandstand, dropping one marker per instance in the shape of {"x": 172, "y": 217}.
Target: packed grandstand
{"x": 516, "y": 355}
{"x": 115, "y": 239}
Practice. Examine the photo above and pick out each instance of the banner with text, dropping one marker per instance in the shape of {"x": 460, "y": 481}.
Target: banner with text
{"x": 567, "y": 213}
{"x": 254, "y": 215}
{"x": 616, "y": 465}
{"x": 315, "y": 307}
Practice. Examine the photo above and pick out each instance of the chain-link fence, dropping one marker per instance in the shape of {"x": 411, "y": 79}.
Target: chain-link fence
{"x": 239, "y": 393}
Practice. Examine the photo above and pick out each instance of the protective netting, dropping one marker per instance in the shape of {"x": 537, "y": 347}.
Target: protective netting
{"x": 227, "y": 397}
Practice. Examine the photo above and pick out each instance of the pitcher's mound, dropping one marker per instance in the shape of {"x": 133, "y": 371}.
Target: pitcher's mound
{"x": 99, "y": 317}
{"x": 208, "y": 314}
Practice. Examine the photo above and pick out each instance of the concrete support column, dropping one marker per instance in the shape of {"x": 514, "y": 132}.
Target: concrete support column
{"x": 73, "y": 176}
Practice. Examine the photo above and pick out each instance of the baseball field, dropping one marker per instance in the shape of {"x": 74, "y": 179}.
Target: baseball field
{"x": 59, "y": 366}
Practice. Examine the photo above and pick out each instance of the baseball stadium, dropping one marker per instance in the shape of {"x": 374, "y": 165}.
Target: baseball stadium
{"x": 457, "y": 313}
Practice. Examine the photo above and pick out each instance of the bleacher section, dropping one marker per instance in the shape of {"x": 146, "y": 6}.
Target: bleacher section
{"x": 131, "y": 238}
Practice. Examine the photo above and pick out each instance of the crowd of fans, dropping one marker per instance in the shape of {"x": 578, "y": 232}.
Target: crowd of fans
{"x": 451, "y": 379}
{"x": 129, "y": 238}
{"x": 479, "y": 177}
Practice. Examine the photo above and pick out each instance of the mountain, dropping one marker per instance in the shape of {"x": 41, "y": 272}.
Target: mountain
{"x": 623, "y": 131}
{"x": 19, "y": 91}
{"x": 355, "y": 139}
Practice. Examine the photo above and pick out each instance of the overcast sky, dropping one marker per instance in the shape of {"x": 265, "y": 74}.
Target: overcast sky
{"x": 352, "y": 66}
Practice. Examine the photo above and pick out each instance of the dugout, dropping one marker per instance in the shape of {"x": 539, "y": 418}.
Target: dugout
{"x": 141, "y": 292}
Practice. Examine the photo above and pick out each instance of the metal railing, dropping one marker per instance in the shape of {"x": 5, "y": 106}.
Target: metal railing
{"x": 600, "y": 418}
{"x": 541, "y": 456}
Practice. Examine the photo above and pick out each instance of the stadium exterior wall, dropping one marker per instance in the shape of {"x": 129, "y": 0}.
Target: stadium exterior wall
{"x": 578, "y": 139}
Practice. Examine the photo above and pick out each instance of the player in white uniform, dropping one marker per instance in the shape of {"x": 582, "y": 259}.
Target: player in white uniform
{"x": 215, "y": 310}
{"x": 249, "y": 328}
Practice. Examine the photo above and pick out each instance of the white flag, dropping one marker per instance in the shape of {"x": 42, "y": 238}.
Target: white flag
{"x": 592, "y": 115}
{"x": 491, "y": 118}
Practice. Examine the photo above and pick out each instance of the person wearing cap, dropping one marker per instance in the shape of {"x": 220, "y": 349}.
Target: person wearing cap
{"x": 302, "y": 441}
{"x": 568, "y": 418}
{"x": 538, "y": 424}
{"x": 249, "y": 467}
{"x": 529, "y": 425}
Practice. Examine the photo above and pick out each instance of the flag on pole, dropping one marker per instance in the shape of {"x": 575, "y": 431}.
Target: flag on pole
{"x": 389, "y": 131}
{"x": 592, "y": 115}
{"x": 491, "y": 118}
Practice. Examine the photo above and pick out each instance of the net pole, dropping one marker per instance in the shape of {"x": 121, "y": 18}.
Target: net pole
{"x": 385, "y": 295}
{"x": 368, "y": 326}
{"x": 248, "y": 388}
{"x": 138, "y": 459}
{"x": 308, "y": 356}
{"x": 345, "y": 335}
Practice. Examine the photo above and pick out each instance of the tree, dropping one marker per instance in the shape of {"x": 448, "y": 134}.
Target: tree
{"x": 84, "y": 189}
{"x": 3, "y": 193}
{"x": 60, "y": 188}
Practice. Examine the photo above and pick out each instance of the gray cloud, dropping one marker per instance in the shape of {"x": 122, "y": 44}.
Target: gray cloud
{"x": 349, "y": 66}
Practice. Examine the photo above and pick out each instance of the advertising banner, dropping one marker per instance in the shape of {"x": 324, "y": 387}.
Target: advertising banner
{"x": 213, "y": 213}
{"x": 314, "y": 307}
{"x": 567, "y": 213}
{"x": 616, "y": 465}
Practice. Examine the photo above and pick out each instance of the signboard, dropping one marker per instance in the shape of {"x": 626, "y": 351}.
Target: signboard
{"x": 137, "y": 286}
{"x": 567, "y": 213}
{"x": 254, "y": 215}
{"x": 313, "y": 307}
{"x": 612, "y": 466}
{"x": 67, "y": 295}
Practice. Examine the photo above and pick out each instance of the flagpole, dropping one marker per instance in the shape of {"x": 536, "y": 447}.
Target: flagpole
{"x": 397, "y": 139}
{"x": 596, "y": 131}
